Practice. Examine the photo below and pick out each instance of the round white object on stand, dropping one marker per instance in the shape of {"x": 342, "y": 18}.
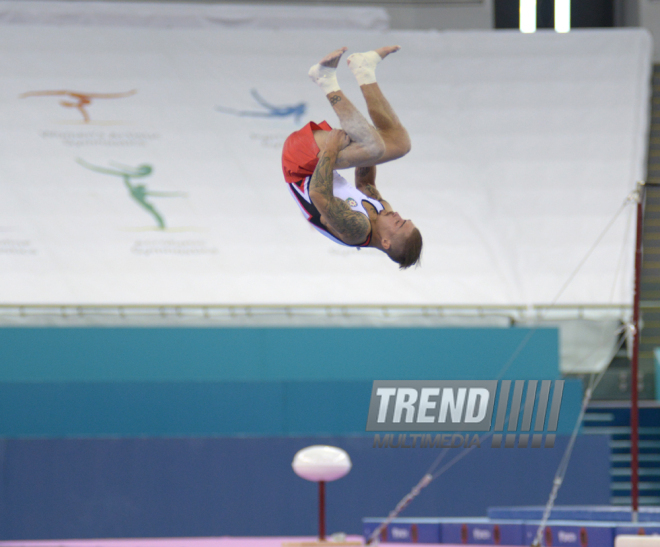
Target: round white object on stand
{"x": 321, "y": 463}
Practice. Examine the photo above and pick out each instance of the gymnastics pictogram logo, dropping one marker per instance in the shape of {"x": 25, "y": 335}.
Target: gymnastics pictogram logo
{"x": 138, "y": 192}
{"x": 270, "y": 111}
{"x": 77, "y": 99}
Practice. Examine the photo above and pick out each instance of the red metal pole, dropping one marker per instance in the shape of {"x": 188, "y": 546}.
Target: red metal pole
{"x": 634, "y": 375}
{"x": 321, "y": 510}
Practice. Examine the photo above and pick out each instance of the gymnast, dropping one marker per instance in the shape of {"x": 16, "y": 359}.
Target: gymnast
{"x": 356, "y": 216}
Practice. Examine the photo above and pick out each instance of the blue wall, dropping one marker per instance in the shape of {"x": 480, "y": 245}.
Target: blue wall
{"x": 232, "y": 486}
{"x": 91, "y": 382}
{"x": 118, "y": 432}
{"x": 272, "y": 354}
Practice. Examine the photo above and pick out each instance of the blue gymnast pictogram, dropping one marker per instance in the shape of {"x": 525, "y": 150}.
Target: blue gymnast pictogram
{"x": 295, "y": 110}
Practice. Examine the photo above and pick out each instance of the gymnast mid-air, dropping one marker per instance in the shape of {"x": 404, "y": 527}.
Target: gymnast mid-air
{"x": 356, "y": 216}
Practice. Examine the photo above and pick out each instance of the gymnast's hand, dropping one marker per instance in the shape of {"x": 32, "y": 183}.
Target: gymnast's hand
{"x": 337, "y": 140}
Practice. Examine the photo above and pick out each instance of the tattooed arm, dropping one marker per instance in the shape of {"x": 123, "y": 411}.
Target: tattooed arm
{"x": 350, "y": 226}
{"x": 365, "y": 176}
{"x": 365, "y": 181}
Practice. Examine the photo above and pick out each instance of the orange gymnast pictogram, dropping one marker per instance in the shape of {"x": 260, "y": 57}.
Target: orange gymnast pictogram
{"x": 83, "y": 99}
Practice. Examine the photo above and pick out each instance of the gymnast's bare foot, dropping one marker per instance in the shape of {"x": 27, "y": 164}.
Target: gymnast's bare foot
{"x": 385, "y": 51}
{"x": 363, "y": 65}
{"x": 324, "y": 74}
{"x": 332, "y": 59}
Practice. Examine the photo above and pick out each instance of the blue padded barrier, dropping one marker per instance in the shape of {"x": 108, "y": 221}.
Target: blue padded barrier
{"x": 485, "y": 531}
{"x": 581, "y": 513}
{"x": 482, "y": 532}
{"x": 402, "y": 530}
{"x": 468, "y": 530}
{"x": 642, "y": 529}
{"x": 573, "y": 533}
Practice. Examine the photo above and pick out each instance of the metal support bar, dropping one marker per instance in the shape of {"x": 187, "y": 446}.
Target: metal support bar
{"x": 321, "y": 510}
{"x": 634, "y": 364}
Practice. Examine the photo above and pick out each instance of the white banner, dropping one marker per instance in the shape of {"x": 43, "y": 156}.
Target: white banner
{"x": 61, "y": 13}
{"x": 142, "y": 166}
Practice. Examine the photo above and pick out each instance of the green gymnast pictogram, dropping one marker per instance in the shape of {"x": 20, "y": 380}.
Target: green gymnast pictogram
{"x": 138, "y": 192}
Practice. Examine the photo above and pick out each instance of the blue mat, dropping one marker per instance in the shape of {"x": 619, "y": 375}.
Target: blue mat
{"x": 488, "y": 531}
{"x": 581, "y": 512}
{"x": 476, "y": 531}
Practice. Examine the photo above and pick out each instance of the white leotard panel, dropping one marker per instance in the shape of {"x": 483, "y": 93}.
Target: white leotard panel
{"x": 342, "y": 190}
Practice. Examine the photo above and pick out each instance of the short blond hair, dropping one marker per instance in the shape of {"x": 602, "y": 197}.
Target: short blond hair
{"x": 411, "y": 252}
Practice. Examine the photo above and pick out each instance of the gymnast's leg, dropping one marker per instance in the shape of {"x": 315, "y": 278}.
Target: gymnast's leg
{"x": 394, "y": 135}
{"x": 367, "y": 145}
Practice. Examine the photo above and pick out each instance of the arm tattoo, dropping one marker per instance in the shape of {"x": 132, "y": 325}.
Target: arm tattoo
{"x": 372, "y": 192}
{"x": 322, "y": 178}
{"x": 334, "y": 99}
{"x": 365, "y": 180}
{"x": 352, "y": 226}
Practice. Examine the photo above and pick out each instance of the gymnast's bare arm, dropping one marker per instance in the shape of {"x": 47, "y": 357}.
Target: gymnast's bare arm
{"x": 364, "y": 177}
{"x": 365, "y": 181}
{"x": 350, "y": 226}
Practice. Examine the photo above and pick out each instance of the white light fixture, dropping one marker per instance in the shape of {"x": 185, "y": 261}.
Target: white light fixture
{"x": 527, "y": 16}
{"x": 562, "y": 15}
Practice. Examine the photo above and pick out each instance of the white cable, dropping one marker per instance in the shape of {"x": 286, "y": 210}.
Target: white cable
{"x": 563, "y": 464}
{"x": 426, "y": 480}
{"x": 593, "y": 247}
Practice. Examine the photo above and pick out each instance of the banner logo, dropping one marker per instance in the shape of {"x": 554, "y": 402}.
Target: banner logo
{"x": 79, "y": 100}
{"x": 271, "y": 111}
{"x": 138, "y": 192}
{"x": 466, "y": 406}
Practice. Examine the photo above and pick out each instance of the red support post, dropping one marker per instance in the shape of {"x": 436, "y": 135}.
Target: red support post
{"x": 634, "y": 365}
{"x": 321, "y": 510}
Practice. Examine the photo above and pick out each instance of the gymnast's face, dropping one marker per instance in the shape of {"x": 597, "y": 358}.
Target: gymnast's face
{"x": 394, "y": 230}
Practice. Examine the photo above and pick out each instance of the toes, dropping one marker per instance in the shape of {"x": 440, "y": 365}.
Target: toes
{"x": 385, "y": 51}
{"x": 332, "y": 60}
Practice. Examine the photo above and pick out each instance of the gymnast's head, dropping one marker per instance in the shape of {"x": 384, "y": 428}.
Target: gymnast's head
{"x": 399, "y": 238}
